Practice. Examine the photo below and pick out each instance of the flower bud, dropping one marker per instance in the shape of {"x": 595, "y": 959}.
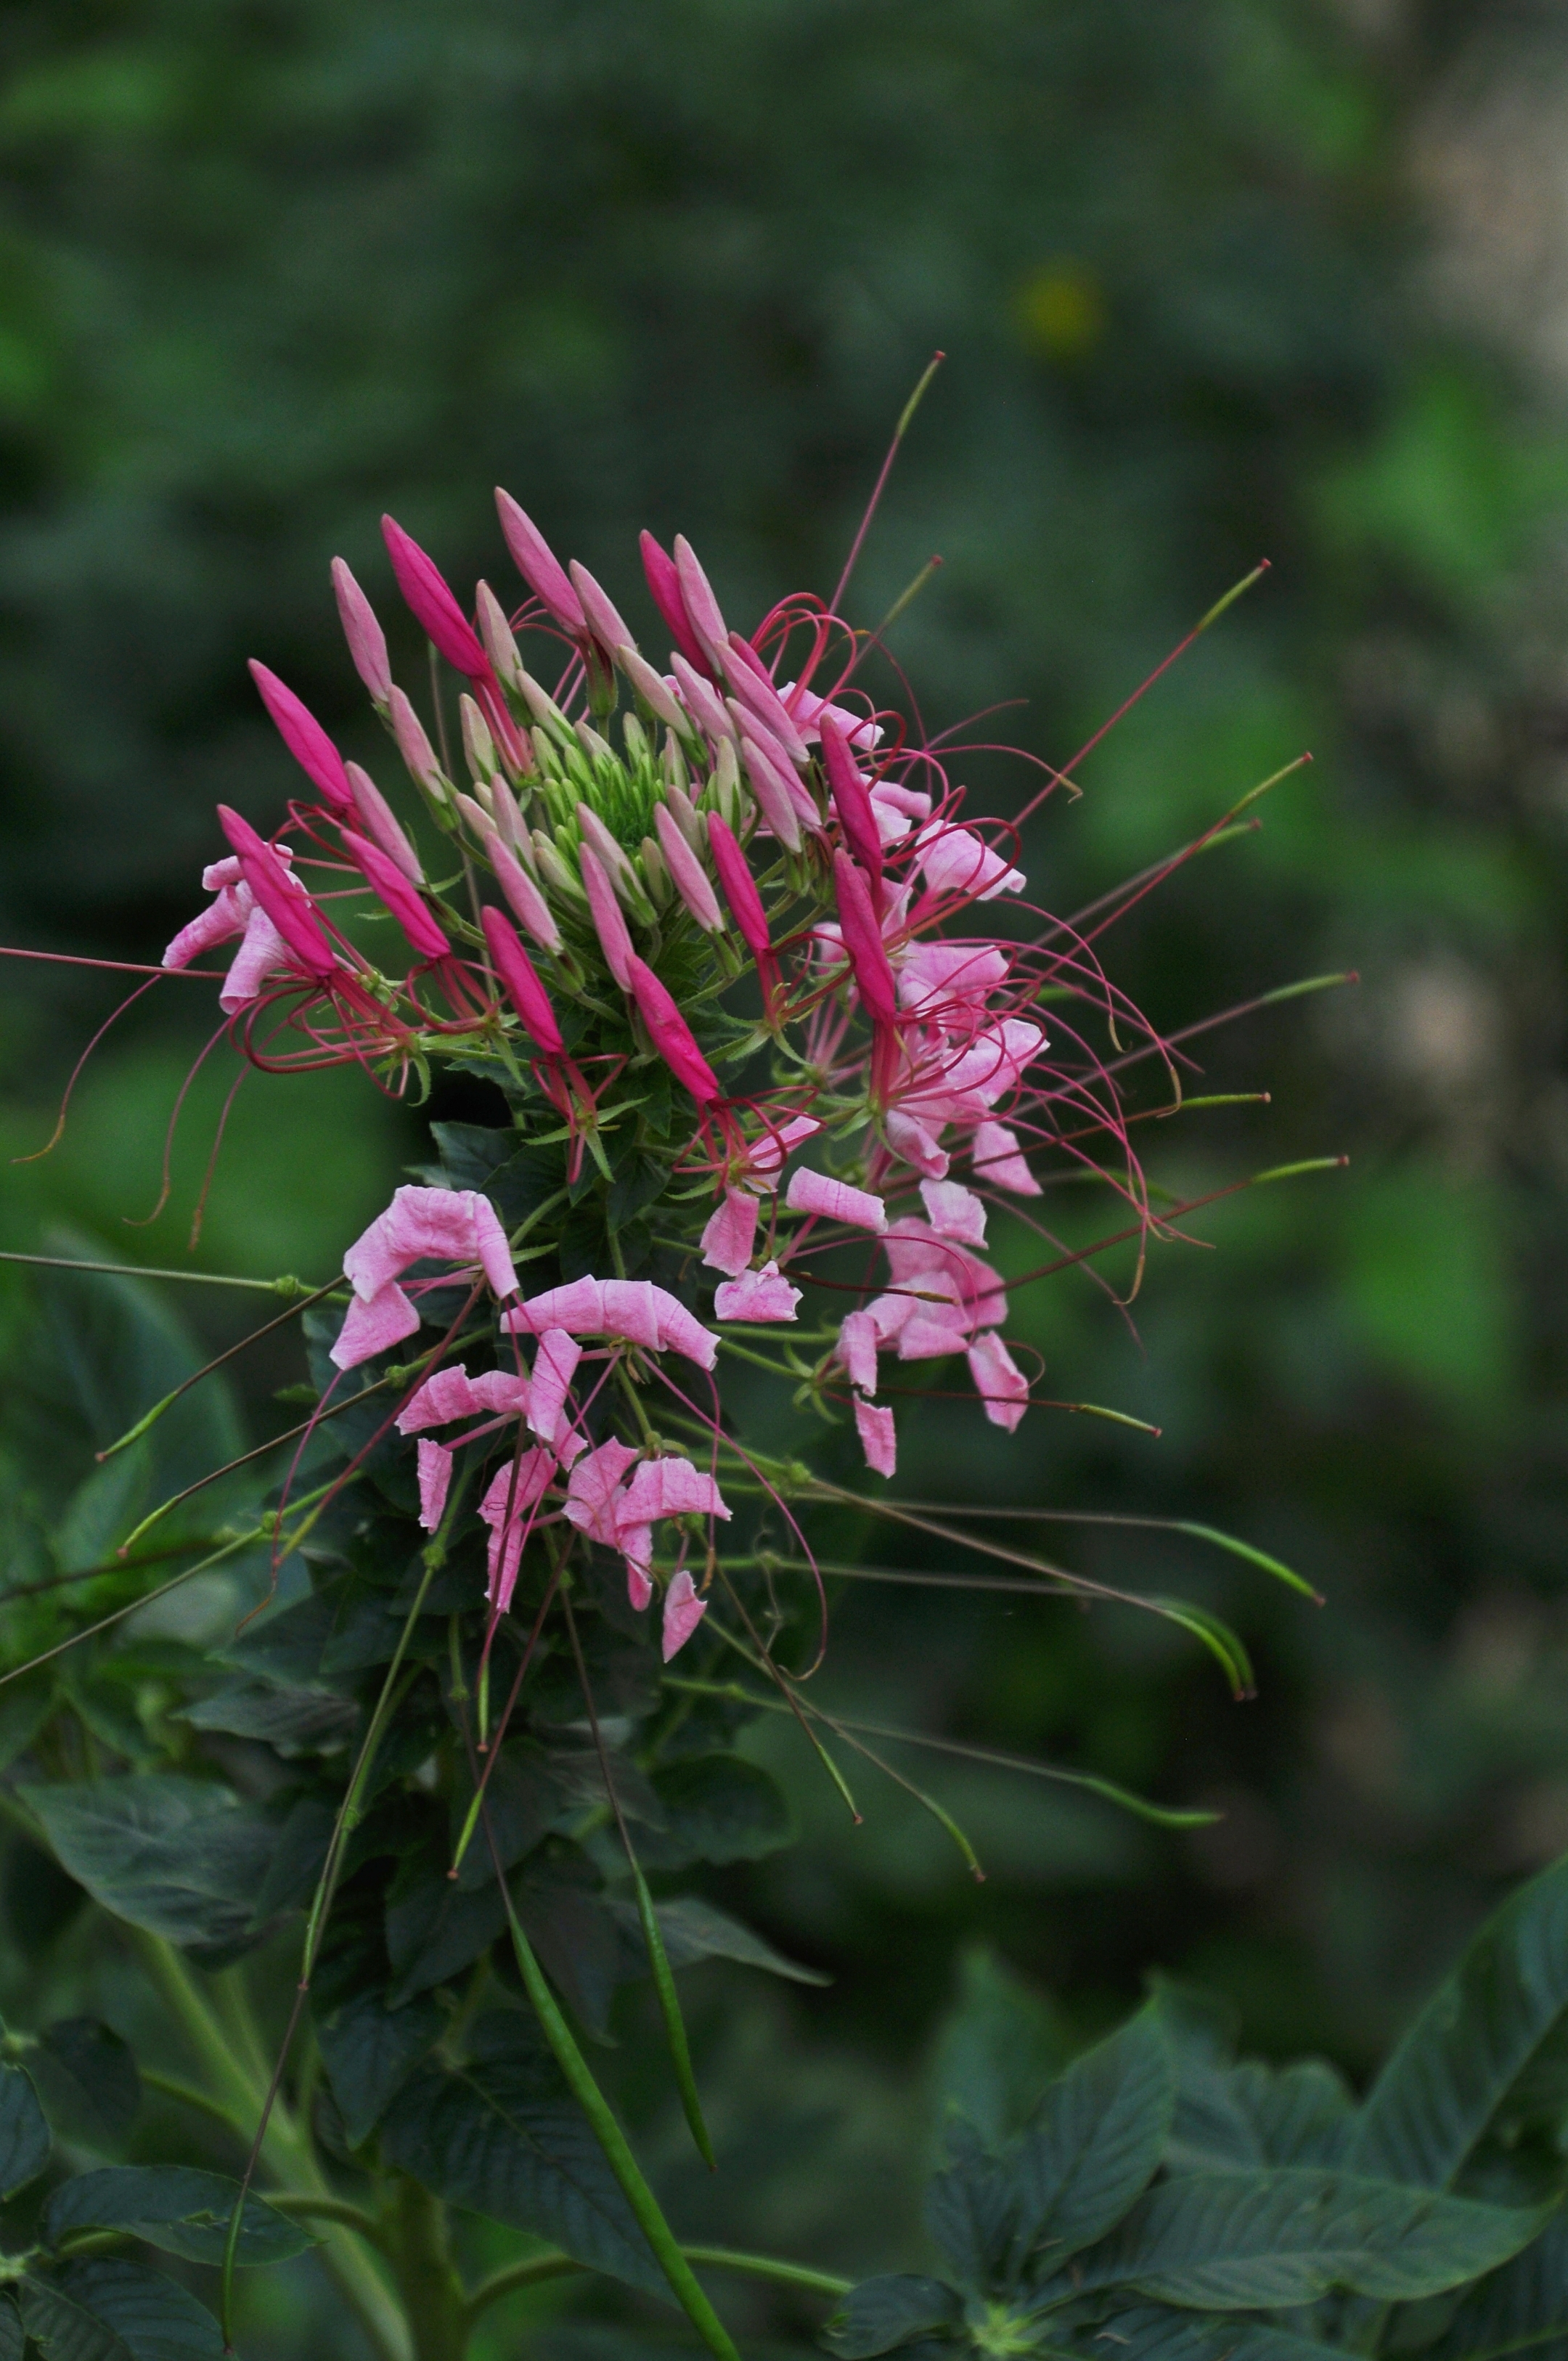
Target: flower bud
{"x": 509, "y": 819}
{"x": 479, "y": 746}
{"x": 596, "y": 748}
{"x": 553, "y": 871}
{"x": 394, "y": 890}
{"x": 686, "y": 871}
{"x": 679, "y": 806}
{"x": 701, "y": 606}
{"x": 602, "y": 619}
{"x": 773, "y": 798}
{"x": 672, "y": 763}
{"x": 430, "y": 602}
{"x": 655, "y": 874}
{"x": 417, "y": 754}
{"x": 367, "y": 640}
{"x": 754, "y": 685}
{"x": 703, "y": 703}
{"x": 634, "y": 738}
{"x": 495, "y": 633}
{"x": 521, "y": 985}
{"x": 380, "y": 825}
{"x": 664, "y": 585}
{"x": 305, "y": 737}
{"x": 726, "y": 791}
{"x": 609, "y": 923}
{"x": 541, "y": 704}
{"x": 613, "y": 861}
{"x": 851, "y": 800}
{"x": 539, "y": 565}
{"x": 670, "y": 1033}
{"x": 651, "y": 687}
{"x": 528, "y": 906}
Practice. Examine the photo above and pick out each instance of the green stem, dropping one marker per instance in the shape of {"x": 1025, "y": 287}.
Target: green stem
{"x": 438, "y": 2316}
{"x": 326, "y": 2209}
{"x": 188, "y": 2096}
{"x": 540, "y": 2268}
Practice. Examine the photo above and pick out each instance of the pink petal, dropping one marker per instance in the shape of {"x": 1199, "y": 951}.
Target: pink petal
{"x": 915, "y": 1144}
{"x": 731, "y": 1232}
{"x": 956, "y": 861}
{"x": 374, "y": 1326}
{"x": 954, "y": 1212}
{"x": 1000, "y": 1383}
{"x": 639, "y": 1550}
{"x": 262, "y": 953}
{"x": 996, "y": 1156}
{"x": 435, "y": 1481}
{"x": 879, "y": 1438}
{"x": 447, "y": 1225}
{"x": 684, "y": 1611}
{"x": 765, "y": 1158}
{"x": 218, "y": 923}
{"x": 445, "y": 1395}
{"x": 669, "y": 1487}
{"x": 756, "y": 1295}
{"x": 815, "y": 1193}
{"x": 592, "y": 1488}
{"x": 554, "y": 1367}
{"x": 858, "y": 1349}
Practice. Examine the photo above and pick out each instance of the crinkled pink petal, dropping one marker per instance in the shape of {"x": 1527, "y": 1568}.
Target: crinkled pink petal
{"x": 500, "y": 1391}
{"x": 956, "y": 861}
{"x": 228, "y": 872}
{"x": 631, "y": 1310}
{"x": 762, "y": 1294}
{"x": 858, "y": 1349}
{"x": 1000, "y": 1383}
{"x": 669, "y": 1487}
{"x": 446, "y": 1394}
{"x": 592, "y": 1487}
{"x": 263, "y": 952}
{"x": 635, "y": 1309}
{"x": 997, "y": 1158}
{"x": 435, "y": 1481}
{"x": 374, "y": 1326}
{"x": 218, "y": 923}
{"x": 807, "y": 710}
{"x": 945, "y": 981}
{"x": 897, "y": 810}
{"x": 954, "y": 1212}
{"x": 579, "y": 1307}
{"x": 679, "y": 1331}
{"x": 915, "y": 1144}
{"x": 731, "y": 1232}
{"x": 879, "y": 1437}
{"x": 554, "y": 1367}
{"x": 765, "y": 1158}
{"x": 639, "y": 1550}
{"x": 890, "y": 1313}
{"x": 684, "y": 1611}
{"x": 521, "y": 1484}
{"x": 445, "y": 1224}
{"x": 817, "y": 1192}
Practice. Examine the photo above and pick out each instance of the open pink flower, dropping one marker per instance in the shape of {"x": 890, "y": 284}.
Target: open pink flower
{"x": 451, "y": 1393}
{"x": 438, "y": 1224}
{"x": 956, "y": 861}
{"x": 234, "y": 911}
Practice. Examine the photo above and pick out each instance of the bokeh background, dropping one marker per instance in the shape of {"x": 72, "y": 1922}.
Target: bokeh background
{"x": 1217, "y": 280}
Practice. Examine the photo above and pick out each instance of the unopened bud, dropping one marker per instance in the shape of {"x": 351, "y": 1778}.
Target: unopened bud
{"x": 508, "y": 818}
{"x": 555, "y": 872}
{"x": 595, "y": 747}
{"x": 495, "y": 634}
{"x": 725, "y": 794}
{"x": 547, "y": 752}
{"x": 627, "y": 886}
{"x": 479, "y": 746}
{"x": 419, "y": 755}
{"x": 474, "y": 812}
{"x": 367, "y": 640}
{"x": 635, "y": 739}
{"x": 678, "y": 804}
{"x": 651, "y": 687}
{"x": 672, "y": 763}
{"x": 540, "y": 702}
{"x": 603, "y": 621}
{"x": 656, "y": 876}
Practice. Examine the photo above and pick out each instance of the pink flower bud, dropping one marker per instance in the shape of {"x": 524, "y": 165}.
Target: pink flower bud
{"x": 539, "y": 565}
{"x": 819, "y": 1193}
{"x": 664, "y": 583}
{"x": 431, "y": 604}
{"x": 528, "y": 906}
{"x": 285, "y": 901}
{"x": 772, "y": 788}
{"x": 379, "y": 823}
{"x": 602, "y": 618}
{"x": 739, "y": 888}
{"x": 367, "y": 640}
{"x": 652, "y": 688}
{"x": 862, "y": 941}
{"x": 753, "y": 685}
{"x": 702, "y": 608}
{"x": 852, "y": 801}
{"x": 521, "y": 983}
{"x": 703, "y": 703}
{"x": 305, "y": 737}
{"x": 688, "y": 873}
{"x": 424, "y": 935}
{"x": 610, "y": 924}
{"x": 670, "y": 1033}
{"x": 419, "y": 755}
{"x": 611, "y": 859}
{"x": 495, "y": 633}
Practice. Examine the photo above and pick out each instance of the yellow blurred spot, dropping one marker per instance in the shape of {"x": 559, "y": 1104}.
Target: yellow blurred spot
{"x": 1062, "y": 311}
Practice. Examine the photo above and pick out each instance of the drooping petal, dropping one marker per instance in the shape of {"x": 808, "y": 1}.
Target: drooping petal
{"x": 879, "y": 1436}
{"x": 684, "y": 1611}
{"x": 818, "y": 1192}
{"x": 1000, "y": 1383}
{"x": 554, "y": 1367}
{"x": 997, "y": 1158}
{"x": 373, "y": 1325}
{"x": 917, "y": 1145}
{"x": 858, "y": 1349}
{"x": 444, "y": 1225}
{"x": 220, "y": 922}
{"x": 954, "y": 1212}
{"x": 262, "y": 952}
{"x": 765, "y": 1157}
{"x": 670, "y": 1487}
{"x": 731, "y": 1232}
{"x": 762, "y": 1294}
{"x": 956, "y": 861}
{"x": 593, "y": 1486}
{"x": 435, "y": 1481}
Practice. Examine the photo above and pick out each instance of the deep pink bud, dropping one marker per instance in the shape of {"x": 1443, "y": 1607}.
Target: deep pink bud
{"x": 602, "y": 618}
{"x": 521, "y": 983}
{"x": 305, "y": 737}
{"x": 431, "y": 604}
{"x": 862, "y": 941}
{"x": 851, "y": 800}
{"x": 284, "y": 900}
{"x": 529, "y": 904}
{"x": 670, "y": 1033}
{"x": 664, "y": 583}
{"x": 398, "y": 895}
{"x": 378, "y": 821}
{"x": 605, "y": 912}
{"x": 740, "y": 887}
{"x": 367, "y": 640}
{"x": 702, "y": 608}
{"x": 539, "y": 565}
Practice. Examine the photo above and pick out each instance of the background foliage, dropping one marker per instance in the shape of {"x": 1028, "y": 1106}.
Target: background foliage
{"x": 1217, "y": 280}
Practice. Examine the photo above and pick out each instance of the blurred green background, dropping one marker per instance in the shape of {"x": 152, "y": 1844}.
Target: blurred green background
{"x": 1217, "y": 280}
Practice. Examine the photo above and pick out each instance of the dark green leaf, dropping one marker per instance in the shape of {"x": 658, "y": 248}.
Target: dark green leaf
{"x": 25, "y": 1707}
{"x": 882, "y": 2313}
{"x": 298, "y": 1854}
{"x": 999, "y": 2045}
{"x": 284, "y": 1647}
{"x": 178, "y": 1856}
{"x": 64, "y": 2329}
{"x": 289, "y": 1720}
{"x": 522, "y": 1800}
{"x": 717, "y": 1807}
{"x": 148, "y": 2316}
{"x": 694, "y": 1929}
{"x": 1524, "y": 2305}
{"x": 1253, "y": 2115}
{"x": 1148, "y": 2333}
{"x": 173, "y": 2206}
{"x": 1476, "y": 2036}
{"x": 369, "y": 2051}
{"x": 1093, "y": 2146}
{"x": 13, "y": 2336}
{"x": 436, "y": 1928}
{"x": 504, "y": 2138}
{"x": 88, "y": 2076}
{"x": 24, "y": 2134}
{"x": 1243, "y": 2240}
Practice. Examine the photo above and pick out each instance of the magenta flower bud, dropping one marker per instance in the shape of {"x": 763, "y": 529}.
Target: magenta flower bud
{"x": 380, "y": 824}
{"x": 602, "y": 619}
{"x": 495, "y": 633}
{"x": 652, "y": 688}
{"x": 670, "y": 1033}
{"x": 664, "y": 583}
{"x": 521, "y": 983}
{"x": 704, "y": 705}
{"x": 851, "y": 800}
{"x": 862, "y": 941}
{"x": 539, "y": 565}
{"x": 752, "y": 684}
{"x": 367, "y": 640}
{"x": 687, "y": 872}
{"x": 610, "y": 925}
{"x": 739, "y": 888}
{"x": 771, "y": 787}
{"x": 702, "y": 608}
{"x": 398, "y": 895}
{"x": 527, "y": 904}
{"x": 431, "y": 604}
{"x": 415, "y": 747}
{"x": 305, "y": 737}
{"x": 285, "y": 901}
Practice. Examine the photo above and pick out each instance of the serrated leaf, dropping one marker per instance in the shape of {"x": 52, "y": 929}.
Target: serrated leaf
{"x": 1248, "y": 2241}
{"x": 502, "y": 2137}
{"x": 183, "y": 2211}
{"x": 369, "y": 2051}
{"x": 91, "y": 2086}
{"x": 717, "y": 1807}
{"x": 1476, "y": 2035}
{"x": 180, "y": 1857}
{"x": 998, "y": 2047}
{"x": 881, "y": 2314}
{"x": 1524, "y": 2305}
{"x": 24, "y": 2134}
{"x": 135, "y": 2310}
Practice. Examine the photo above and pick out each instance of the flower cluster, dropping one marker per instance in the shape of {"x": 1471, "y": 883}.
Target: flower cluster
{"x": 718, "y": 932}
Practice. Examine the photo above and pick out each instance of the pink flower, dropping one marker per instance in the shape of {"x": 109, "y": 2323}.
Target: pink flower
{"x": 554, "y": 1367}
{"x": 879, "y": 1437}
{"x": 684, "y": 1611}
{"x": 852, "y": 802}
{"x": 435, "y": 1481}
{"x": 954, "y": 1212}
{"x": 367, "y": 640}
{"x": 373, "y": 1327}
{"x": 665, "y": 584}
{"x": 521, "y": 983}
{"x": 996, "y": 1156}
{"x": 1000, "y": 1383}
{"x": 815, "y": 1193}
{"x": 305, "y": 737}
{"x": 631, "y": 1307}
{"x": 433, "y": 606}
{"x": 609, "y": 923}
{"x": 689, "y": 875}
{"x": 425, "y": 937}
{"x": 955, "y": 861}
{"x": 236, "y": 911}
{"x": 862, "y": 941}
{"x": 731, "y": 1232}
{"x": 528, "y": 904}
{"x": 858, "y": 1349}
{"x": 379, "y": 823}
{"x": 808, "y": 709}
{"x": 765, "y": 1157}
{"x": 593, "y": 1489}
{"x": 444, "y": 1225}
{"x": 282, "y": 898}
{"x": 915, "y": 1144}
{"x": 948, "y": 984}
{"x": 756, "y": 1295}
{"x": 539, "y": 565}
{"x": 670, "y": 1033}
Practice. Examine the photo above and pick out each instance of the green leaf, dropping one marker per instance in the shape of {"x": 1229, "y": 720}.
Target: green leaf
{"x": 1149, "y": 2332}
{"x": 180, "y": 1857}
{"x": 882, "y": 2313}
{"x": 1255, "y": 2115}
{"x": 292, "y": 1720}
{"x": 103, "y": 2310}
{"x": 694, "y": 1929}
{"x": 1476, "y": 2035}
{"x": 717, "y": 1808}
{"x": 24, "y": 2140}
{"x": 502, "y": 2137}
{"x": 1000, "y": 2044}
{"x": 1524, "y": 2305}
{"x": 369, "y": 2051}
{"x": 13, "y": 2336}
{"x": 91, "y": 2087}
{"x": 173, "y": 2206}
{"x": 1242, "y": 2241}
